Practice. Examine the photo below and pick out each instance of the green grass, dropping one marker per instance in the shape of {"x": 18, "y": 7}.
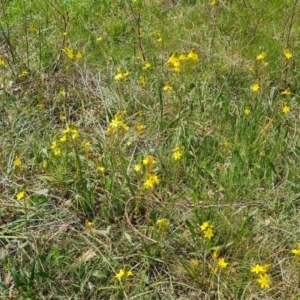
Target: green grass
{"x": 84, "y": 212}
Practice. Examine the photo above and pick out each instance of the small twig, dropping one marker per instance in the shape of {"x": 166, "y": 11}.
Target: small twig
{"x": 291, "y": 24}
{"x": 133, "y": 228}
{"x": 65, "y": 20}
{"x": 137, "y": 19}
{"x": 288, "y": 41}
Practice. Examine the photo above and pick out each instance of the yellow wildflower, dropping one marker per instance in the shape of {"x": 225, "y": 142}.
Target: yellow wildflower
{"x": 264, "y": 281}
{"x": 285, "y": 109}
{"x": 23, "y": 74}
{"x": 126, "y": 74}
{"x": 222, "y": 263}
{"x": 70, "y": 131}
{"x": 177, "y": 152}
{"x": 100, "y": 169}
{"x": 261, "y": 56}
{"x": 167, "y": 87}
{"x": 2, "y": 63}
{"x": 288, "y": 54}
{"x": 151, "y": 181}
{"x": 286, "y": 92}
{"x": 193, "y": 55}
{"x": 206, "y": 228}
{"x": 124, "y": 126}
{"x": 75, "y": 134}
{"x": 62, "y": 92}
{"x": 216, "y": 252}
{"x": 213, "y": 2}
{"x": 86, "y": 145}
{"x": 137, "y": 167}
{"x": 159, "y": 38}
{"x": 88, "y": 225}
{"x": 247, "y": 111}
{"x": 119, "y": 76}
{"x": 63, "y": 139}
{"x": 260, "y": 269}
{"x": 17, "y": 162}
{"x": 142, "y": 80}
{"x": 163, "y": 223}
{"x": 140, "y": 127}
{"x": 21, "y": 195}
{"x": 148, "y": 160}
{"x": 99, "y": 39}
{"x": 78, "y": 55}
{"x": 182, "y": 57}
{"x": 208, "y": 233}
{"x": 117, "y": 122}
{"x": 123, "y": 273}
{"x": 57, "y": 152}
{"x": 68, "y": 51}
{"x": 174, "y": 62}
{"x": 255, "y": 87}
{"x": 296, "y": 251}
{"x": 146, "y": 66}
{"x": 54, "y": 145}
{"x": 205, "y": 225}
{"x": 226, "y": 144}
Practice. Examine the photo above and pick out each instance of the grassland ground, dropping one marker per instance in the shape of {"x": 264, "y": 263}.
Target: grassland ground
{"x": 149, "y": 149}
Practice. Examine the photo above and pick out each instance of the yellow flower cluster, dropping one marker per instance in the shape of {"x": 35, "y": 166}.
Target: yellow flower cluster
{"x": 123, "y": 274}
{"x": 262, "y": 272}
{"x": 220, "y": 261}
{"x": 163, "y": 223}
{"x": 261, "y": 56}
{"x": 207, "y": 230}
{"x": 175, "y": 60}
{"x": 151, "y": 178}
{"x": 178, "y": 152}
{"x": 151, "y": 181}
{"x": 285, "y": 108}
{"x": 70, "y": 133}
{"x": 122, "y": 74}
{"x": 71, "y": 54}
{"x": 117, "y": 122}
